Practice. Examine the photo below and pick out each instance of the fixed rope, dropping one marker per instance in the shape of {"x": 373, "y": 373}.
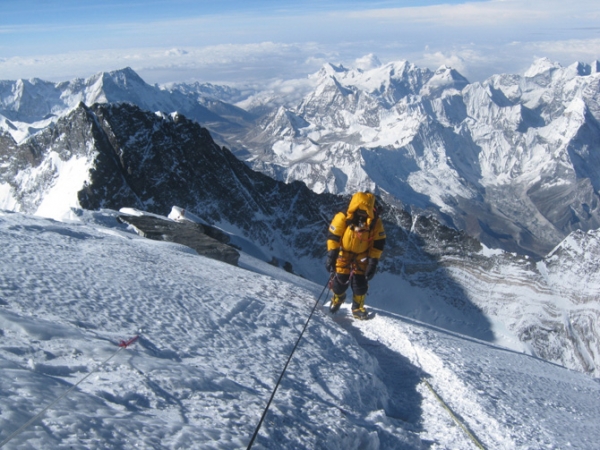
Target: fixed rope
{"x": 264, "y": 414}
{"x": 122, "y": 345}
{"x": 456, "y": 419}
{"x": 441, "y": 401}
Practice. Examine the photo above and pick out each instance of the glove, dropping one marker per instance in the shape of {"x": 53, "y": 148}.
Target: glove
{"x": 371, "y": 268}
{"x": 331, "y": 258}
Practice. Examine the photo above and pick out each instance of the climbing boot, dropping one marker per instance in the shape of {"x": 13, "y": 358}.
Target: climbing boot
{"x": 358, "y": 307}
{"x": 336, "y": 302}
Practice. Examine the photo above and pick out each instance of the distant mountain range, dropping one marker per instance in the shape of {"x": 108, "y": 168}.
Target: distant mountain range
{"x": 113, "y": 141}
{"x": 513, "y": 161}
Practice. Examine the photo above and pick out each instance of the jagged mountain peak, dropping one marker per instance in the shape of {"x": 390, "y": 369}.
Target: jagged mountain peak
{"x": 35, "y": 100}
{"x": 328, "y": 70}
{"x": 24, "y": 103}
{"x": 121, "y": 85}
{"x": 124, "y": 79}
{"x": 542, "y": 66}
{"x": 127, "y": 73}
{"x": 121, "y": 77}
{"x": 384, "y": 84}
{"x": 391, "y": 76}
{"x": 580, "y": 69}
{"x": 489, "y": 156}
{"x": 444, "y": 78}
{"x": 379, "y": 78}
{"x": 28, "y": 99}
{"x": 544, "y": 71}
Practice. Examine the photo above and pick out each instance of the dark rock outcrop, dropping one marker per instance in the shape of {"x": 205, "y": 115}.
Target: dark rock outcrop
{"x": 193, "y": 235}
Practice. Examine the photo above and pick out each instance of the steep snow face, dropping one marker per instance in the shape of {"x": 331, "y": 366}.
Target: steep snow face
{"x": 56, "y": 184}
{"x": 7, "y": 198}
{"x": 212, "y": 343}
{"x": 45, "y": 175}
{"x": 576, "y": 258}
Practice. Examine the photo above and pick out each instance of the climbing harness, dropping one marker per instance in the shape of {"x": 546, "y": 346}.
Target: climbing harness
{"x": 122, "y": 345}
{"x": 353, "y": 268}
{"x": 264, "y": 414}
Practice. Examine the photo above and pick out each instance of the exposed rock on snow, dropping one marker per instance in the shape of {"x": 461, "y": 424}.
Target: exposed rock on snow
{"x": 207, "y": 241}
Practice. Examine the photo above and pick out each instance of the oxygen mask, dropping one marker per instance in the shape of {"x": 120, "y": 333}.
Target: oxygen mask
{"x": 360, "y": 219}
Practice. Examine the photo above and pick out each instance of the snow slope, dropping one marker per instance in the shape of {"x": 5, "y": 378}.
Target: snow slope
{"x": 213, "y": 339}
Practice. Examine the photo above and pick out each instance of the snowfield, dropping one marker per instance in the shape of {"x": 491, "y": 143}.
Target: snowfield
{"x": 213, "y": 340}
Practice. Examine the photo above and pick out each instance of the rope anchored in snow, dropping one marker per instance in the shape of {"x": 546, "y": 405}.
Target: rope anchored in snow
{"x": 456, "y": 419}
{"x": 460, "y": 423}
{"x": 122, "y": 345}
{"x": 284, "y": 369}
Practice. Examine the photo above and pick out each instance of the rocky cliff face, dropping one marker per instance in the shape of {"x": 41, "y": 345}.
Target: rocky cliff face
{"x": 127, "y": 157}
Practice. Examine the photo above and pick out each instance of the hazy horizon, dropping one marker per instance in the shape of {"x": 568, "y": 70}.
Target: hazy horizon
{"x": 253, "y": 42}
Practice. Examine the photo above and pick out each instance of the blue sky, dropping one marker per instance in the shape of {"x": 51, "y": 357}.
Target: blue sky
{"x": 259, "y": 41}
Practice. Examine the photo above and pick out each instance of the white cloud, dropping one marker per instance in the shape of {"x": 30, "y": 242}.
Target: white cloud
{"x": 585, "y": 50}
{"x": 367, "y": 62}
{"x": 247, "y": 63}
{"x": 475, "y": 38}
{"x": 495, "y": 13}
{"x": 480, "y": 62}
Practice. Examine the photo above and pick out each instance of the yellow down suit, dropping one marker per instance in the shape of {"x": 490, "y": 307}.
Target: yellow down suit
{"x": 357, "y": 238}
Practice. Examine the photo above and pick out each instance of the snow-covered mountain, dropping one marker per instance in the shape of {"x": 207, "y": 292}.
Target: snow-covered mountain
{"x": 27, "y": 106}
{"x": 115, "y": 156}
{"x": 212, "y": 342}
{"x": 513, "y": 160}
{"x": 111, "y": 156}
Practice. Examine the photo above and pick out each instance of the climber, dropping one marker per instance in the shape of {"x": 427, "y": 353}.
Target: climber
{"x": 354, "y": 246}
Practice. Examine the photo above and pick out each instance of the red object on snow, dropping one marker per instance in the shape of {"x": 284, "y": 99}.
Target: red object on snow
{"x": 126, "y": 344}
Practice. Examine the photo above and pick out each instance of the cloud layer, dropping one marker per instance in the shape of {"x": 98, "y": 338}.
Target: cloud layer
{"x": 476, "y": 38}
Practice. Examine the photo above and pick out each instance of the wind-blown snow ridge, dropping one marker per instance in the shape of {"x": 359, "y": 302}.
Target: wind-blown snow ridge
{"x": 213, "y": 339}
